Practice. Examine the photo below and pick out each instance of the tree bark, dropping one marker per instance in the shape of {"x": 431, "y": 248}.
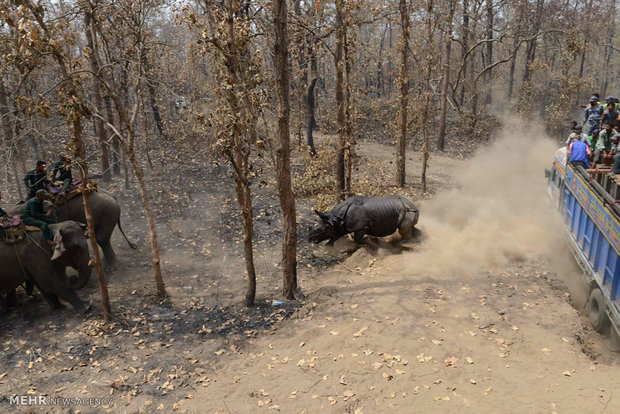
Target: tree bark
{"x": 283, "y": 162}
{"x": 311, "y": 116}
{"x": 427, "y": 91}
{"x": 445, "y": 82}
{"x": 404, "y": 94}
{"x": 464, "y": 49}
{"x": 9, "y": 136}
{"x": 100, "y": 130}
{"x": 489, "y": 55}
{"x": 340, "y": 103}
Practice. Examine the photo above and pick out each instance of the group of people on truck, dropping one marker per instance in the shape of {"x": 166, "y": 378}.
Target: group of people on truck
{"x": 597, "y": 140}
{"x": 37, "y": 182}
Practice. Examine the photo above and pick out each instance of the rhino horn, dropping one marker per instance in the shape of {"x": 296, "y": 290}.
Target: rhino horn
{"x": 324, "y": 217}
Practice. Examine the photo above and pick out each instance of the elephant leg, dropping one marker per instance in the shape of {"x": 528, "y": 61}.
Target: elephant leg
{"x": 52, "y": 300}
{"x": 11, "y": 299}
{"x": 103, "y": 240}
{"x": 55, "y": 287}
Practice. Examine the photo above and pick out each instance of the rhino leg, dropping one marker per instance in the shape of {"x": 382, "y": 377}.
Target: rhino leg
{"x": 405, "y": 228}
{"x": 358, "y": 236}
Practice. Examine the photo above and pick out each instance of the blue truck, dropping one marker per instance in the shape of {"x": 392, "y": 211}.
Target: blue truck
{"x": 589, "y": 203}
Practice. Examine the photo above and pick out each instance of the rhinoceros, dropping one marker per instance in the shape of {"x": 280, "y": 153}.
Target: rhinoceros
{"x": 375, "y": 216}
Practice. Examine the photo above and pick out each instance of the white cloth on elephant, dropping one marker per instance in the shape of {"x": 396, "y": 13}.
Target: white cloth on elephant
{"x": 59, "y": 246}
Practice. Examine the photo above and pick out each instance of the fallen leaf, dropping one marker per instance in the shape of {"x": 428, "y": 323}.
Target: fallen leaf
{"x": 566, "y": 373}
{"x": 469, "y": 360}
{"x": 342, "y": 379}
{"x": 450, "y": 362}
{"x": 360, "y": 332}
{"x": 436, "y": 341}
{"x": 472, "y": 381}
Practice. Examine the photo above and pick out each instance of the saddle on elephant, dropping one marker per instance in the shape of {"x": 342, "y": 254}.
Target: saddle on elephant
{"x": 15, "y": 229}
{"x": 75, "y": 189}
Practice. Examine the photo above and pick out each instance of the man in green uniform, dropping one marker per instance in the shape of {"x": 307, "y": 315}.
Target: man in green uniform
{"x": 62, "y": 168}
{"x": 34, "y": 215}
{"x": 36, "y": 179}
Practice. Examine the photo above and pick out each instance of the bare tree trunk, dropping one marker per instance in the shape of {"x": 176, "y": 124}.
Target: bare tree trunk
{"x": 152, "y": 98}
{"x": 348, "y": 122}
{"x": 445, "y": 82}
{"x": 89, "y": 26}
{"x": 9, "y": 137}
{"x": 311, "y": 116}
{"x": 427, "y": 98}
{"x": 513, "y": 62}
{"x": 609, "y": 47}
{"x": 340, "y": 103}
{"x": 404, "y": 94}
{"x": 283, "y": 162}
{"x": 464, "y": 48}
{"x": 531, "y": 47}
{"x": 150, "y": 216}
{"x": 90, "y": 224}
{"x": 489, "y": 55}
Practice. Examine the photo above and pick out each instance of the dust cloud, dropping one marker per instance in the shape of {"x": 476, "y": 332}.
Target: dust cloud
{"x": 497, "y": 213}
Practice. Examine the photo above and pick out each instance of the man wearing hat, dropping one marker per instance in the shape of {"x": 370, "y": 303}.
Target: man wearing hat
{"x": 36, "y": 179}
{"x": 592, "y": 115}
{"x": 35, "y": 215}
{"x": 577, "y": 134}
{"x": 62, "y": 168}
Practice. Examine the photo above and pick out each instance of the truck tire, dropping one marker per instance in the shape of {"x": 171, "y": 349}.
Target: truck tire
{"x": 596, "y": 311}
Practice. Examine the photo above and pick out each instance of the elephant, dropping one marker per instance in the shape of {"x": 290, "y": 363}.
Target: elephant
{"x": 106, "y": 212}
{"x": 33, "y": 260}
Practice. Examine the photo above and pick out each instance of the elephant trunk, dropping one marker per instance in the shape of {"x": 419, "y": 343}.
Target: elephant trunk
{"x": 79, "y": 281}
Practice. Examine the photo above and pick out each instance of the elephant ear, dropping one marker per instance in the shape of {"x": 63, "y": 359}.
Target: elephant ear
{"x": 59, "y": 245}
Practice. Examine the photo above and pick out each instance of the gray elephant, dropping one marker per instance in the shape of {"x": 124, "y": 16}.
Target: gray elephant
{"x": 106, "y": 213}
{"x": 33, "y": 260}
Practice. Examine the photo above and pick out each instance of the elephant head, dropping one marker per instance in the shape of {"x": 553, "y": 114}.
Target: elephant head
{"x": 71, "y": 249}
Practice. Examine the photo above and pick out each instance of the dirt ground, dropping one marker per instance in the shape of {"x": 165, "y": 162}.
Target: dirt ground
{"x": 480, "y": 315}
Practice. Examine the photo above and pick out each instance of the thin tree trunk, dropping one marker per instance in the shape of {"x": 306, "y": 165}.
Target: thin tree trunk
{"x": 89, "y": 26}
{"x": 152, "y": 98}
{"x": 465, "y": 47}
{"x": 445, "y": 82}
{"x": 283, "y": 162}
{"x": 489, "y": 55}
{"x": 9, "y": 137}
{"x": 150, "y": 216}
{"x": 348, "y": 109}
{"x": 404, "y": 94}
{"x": 340, "y": 116}
{"x": 311, "y": 116}
{"x": 427, "y": 98}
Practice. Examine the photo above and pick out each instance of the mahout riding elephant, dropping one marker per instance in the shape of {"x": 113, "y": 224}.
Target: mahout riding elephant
{"x": 106, "y": 212}
{"x": 34, "y": 260}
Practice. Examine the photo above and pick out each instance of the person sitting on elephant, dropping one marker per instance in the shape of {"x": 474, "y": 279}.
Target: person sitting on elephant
{"x": 3, "y": 216}
{"x": 35, "y": 215}
{"x": 62, "y": 168}
{"x": 36, "y": 179}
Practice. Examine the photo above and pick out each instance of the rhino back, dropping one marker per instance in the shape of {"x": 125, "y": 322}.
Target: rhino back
{"x": 385, "y": 214}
